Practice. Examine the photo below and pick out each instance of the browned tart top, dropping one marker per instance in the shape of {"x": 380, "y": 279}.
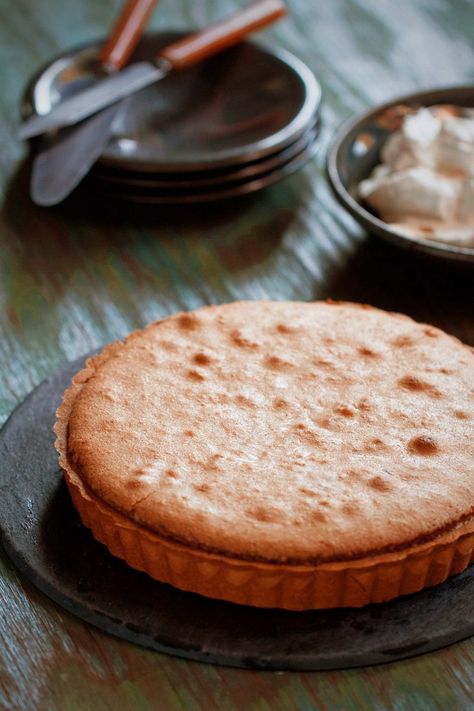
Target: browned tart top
{"x": 281, "y": 431}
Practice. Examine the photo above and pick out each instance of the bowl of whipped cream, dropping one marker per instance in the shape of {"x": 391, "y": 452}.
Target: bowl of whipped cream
{"x": 405, "y": 170}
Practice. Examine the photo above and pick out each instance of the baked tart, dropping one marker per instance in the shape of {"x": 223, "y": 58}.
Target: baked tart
{"x": 278, "y": 454}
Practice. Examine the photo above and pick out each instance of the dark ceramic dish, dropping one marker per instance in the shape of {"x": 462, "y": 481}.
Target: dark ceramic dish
{"x": 241, "y": 105}
{"x": 356, "y": 151}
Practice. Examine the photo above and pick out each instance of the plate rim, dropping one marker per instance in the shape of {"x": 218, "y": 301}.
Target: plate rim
{"x": 247, "y": 171}
{"x": 242, "y": 189}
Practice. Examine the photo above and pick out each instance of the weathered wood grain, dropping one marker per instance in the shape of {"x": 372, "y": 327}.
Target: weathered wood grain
{"x": 77, "y": 276}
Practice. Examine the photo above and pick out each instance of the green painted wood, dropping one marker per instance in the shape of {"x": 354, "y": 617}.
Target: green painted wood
{"x": 80, "y": 275}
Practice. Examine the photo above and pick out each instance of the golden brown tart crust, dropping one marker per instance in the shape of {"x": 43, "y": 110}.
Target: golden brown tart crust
{"x": 326, "y": 447}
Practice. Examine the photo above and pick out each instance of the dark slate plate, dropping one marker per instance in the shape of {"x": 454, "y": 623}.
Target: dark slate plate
{"x": 44, "y": 538}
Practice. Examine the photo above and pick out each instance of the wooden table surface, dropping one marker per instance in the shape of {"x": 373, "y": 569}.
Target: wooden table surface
{"x": 80, "y": 275}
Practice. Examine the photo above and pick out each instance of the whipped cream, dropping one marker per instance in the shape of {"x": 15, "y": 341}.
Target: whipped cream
{"x": 424, "y": 186}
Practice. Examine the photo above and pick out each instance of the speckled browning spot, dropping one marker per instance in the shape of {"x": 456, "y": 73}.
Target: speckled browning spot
{"x": 344, "y": 410}
{"x": 202, "y": 359}
{"x": 403, "y": 341}
{"x": 461, "y": 415}
{"x": 264, "y": 514}
{"x": 447, "y": 371}
{"x": 169, "y": 346}
{"x": 307, "y": 492}
{"x": 407, "y": 475}
{"x": 367, "y": 352}
{"x": 423, "y": 445}
{"x": 319, "y": 516}
{"x": 325, "y": 423}
{"x": 375, "y": 445}
{"x": 340, "y": 380}
{"x": 277, "y": 363}
{"x": 285, "y": 328}
{"x": 195, "y": 375}
{"x": 134, "y": 484}
{"x": 379, "y": 484}
{"x": 300, "y": 462}
{"x": 350, "y": 508}
{"x": 202, "y": 488}
{"x": 431, "y": 332}
{"x": 171, "y": 474}
{"x": 189, "y": 433}
{"x": 212, "y": 463}
{"x": 307, "y": 434}
{"x": 280, "y": 404}
{"x": 364, "y": 405}
{"x": 240, "y": 340}
{"x": 108, "y": 424}
{"x": 324, "y": 502}
{"x": 147, "y": 355}
{"x": 188, "y": 322}
{"x": 415, "y": 384}
{"x": 323, "y": 363}
{"x": 245, "y": 401}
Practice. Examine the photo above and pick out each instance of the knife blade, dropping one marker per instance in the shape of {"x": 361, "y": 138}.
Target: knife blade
{"x": 60, "y": 166}
{"x": 63, "y": 159}
{"x": 177, "y": 56}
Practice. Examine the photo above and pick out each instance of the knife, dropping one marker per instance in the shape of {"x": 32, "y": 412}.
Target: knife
{"x": 63, "y": 159}
{"x": 177, "y": 56}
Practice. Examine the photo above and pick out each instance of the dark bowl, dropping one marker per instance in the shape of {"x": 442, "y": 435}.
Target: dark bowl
{"x": 356, "y": 151}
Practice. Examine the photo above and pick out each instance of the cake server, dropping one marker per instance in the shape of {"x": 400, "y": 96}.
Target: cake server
{"x": 176, "y": 56}
{"x": 66, "y": 157}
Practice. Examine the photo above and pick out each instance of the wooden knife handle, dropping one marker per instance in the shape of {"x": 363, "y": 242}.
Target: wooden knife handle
{"x": 125, "y": 34}
{"x": 222, "y": 34}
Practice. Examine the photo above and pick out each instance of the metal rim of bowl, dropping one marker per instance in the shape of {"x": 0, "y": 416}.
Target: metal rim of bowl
{"x": 367, "y": 218}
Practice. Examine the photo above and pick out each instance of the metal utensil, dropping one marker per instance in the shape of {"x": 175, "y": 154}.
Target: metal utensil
{"x": 177, "y": 56}
{"x": 64, "y": 161}
{"x": 65, "y": 158}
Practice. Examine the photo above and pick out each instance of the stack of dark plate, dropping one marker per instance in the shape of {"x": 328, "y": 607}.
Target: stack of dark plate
{"x": 229, "y": 126}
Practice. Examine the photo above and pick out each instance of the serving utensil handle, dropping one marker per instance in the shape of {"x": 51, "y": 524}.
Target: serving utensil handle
{"x": 125, "y": 34}
{"x": 222, "y": 34}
